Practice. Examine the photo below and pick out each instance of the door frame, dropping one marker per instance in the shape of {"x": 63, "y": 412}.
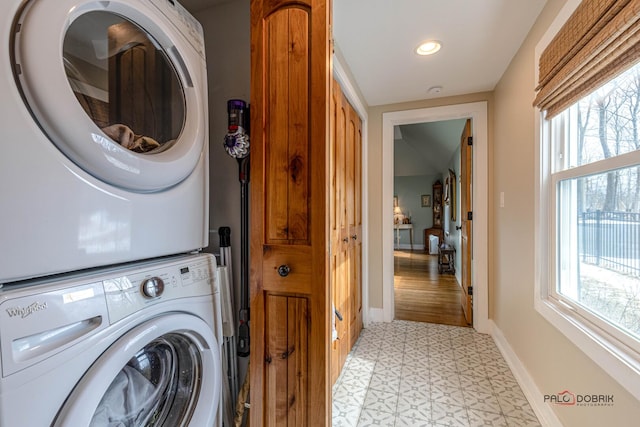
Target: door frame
{"x": 477, "y": 111}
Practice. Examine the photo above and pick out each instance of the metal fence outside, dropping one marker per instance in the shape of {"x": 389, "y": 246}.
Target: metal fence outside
{"x": 610, "y": 240}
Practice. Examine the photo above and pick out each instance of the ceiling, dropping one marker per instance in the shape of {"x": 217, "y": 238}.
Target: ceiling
{"x": 425, "y": 148}
{"x": 377, "y": 40}
{"x": 479, "y": 38}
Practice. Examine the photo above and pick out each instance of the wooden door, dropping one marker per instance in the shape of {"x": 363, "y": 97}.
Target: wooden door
{"x": 345, "y": 225}
{"x": 339, "y": 232}
{"x": 354, "y": 219}
{"x": 466, "y": 208}
{"x": 289, "y": 280}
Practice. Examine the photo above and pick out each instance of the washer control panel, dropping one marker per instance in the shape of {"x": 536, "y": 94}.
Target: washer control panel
{"x": 129, "y": 293}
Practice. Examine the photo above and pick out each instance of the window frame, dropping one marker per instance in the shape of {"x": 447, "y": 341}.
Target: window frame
{"x": 606, "y": 349}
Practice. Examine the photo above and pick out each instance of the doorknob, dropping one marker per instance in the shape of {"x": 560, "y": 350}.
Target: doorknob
{"x": 458, "y": 227}
{"x": 284, "y": 270}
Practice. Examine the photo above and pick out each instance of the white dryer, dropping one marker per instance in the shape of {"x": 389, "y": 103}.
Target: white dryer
{"x": 104, "y": 134}
{"x": 134, "y": 346}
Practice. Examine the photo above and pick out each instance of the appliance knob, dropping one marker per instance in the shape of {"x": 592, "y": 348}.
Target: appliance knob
{"x": 152, "y": 287}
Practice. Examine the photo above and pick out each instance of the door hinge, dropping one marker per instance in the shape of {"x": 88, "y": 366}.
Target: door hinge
{"x": 470, "y": 290}
{"x": 469, "y": 216}
{"x": 469, "y": 140}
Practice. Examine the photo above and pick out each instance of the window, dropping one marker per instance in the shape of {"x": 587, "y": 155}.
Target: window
{"x": 589, "y": 187}
{"x": 595, "y": 183}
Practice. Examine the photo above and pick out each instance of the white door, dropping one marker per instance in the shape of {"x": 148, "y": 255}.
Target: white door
{"x": 114, "y": 86}
{"x": 164, "y": 372}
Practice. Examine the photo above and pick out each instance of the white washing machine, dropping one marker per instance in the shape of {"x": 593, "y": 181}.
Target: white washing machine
{"x": 132, "y": 346}
{"x": 104, "y": 134}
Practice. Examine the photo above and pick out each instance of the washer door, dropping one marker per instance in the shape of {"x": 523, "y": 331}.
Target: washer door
{"x": 112, "y": 85}
{"x": 165, "y": 372}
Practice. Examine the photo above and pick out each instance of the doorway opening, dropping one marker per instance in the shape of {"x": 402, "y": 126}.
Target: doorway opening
{"x": 477, "y": 112}
{"x": 428, "y": 190}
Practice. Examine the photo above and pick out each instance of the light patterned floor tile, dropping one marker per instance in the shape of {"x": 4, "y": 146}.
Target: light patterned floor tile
{"x": 355, "y": 380}
{"x": 414, "y": 406}
{"x": 349, "y": 395}
{"x": 370, "y": 417}
{"x": 344, "y": 415}
{"x": 473, "y": 384}
{"x": 515, "y": 405}
{"x": 415, "y": 390}
{"x": 449, "y": 415}
{"x": 519, "y": 422}
{"x": 481, "y": 401}
{"x": 486, "y": 419}
{"x": 447, "y": 395}
{"x": 385, "y": 382}
{"x": 417, "y": 374}
{"x": 441, "y": 378}
{"x": 379, "y": 400}
{"x": 406, "y": 421}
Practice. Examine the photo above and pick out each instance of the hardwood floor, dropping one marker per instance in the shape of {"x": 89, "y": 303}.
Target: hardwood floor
{"x": 422, "y": 294}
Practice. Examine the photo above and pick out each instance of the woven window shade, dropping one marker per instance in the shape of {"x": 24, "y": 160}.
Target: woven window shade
{"x": 599, "y": 41}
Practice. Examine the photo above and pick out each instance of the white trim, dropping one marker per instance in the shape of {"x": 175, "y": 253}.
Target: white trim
{"x": 350, "y": 92}
{"x": 376, "y": 315}
{"x": 408, "y": 246}
{"x": 545, "y": 414}
{"x": 477, "y": 111}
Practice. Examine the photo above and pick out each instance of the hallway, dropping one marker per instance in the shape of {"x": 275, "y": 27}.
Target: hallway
{"x": 420, "y": 374}
{"x": 421, "y": 293}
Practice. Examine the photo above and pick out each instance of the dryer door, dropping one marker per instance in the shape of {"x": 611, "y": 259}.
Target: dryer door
{"x": 116, "y": 86}
{"x": 165, "y": 372}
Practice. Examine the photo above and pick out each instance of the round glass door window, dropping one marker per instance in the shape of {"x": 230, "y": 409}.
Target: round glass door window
{"x": 124, "y": 81}
{"x": 159, "y": 386}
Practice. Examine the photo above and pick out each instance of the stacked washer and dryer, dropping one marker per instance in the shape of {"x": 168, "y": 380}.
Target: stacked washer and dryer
{"x": 109, "y": 315}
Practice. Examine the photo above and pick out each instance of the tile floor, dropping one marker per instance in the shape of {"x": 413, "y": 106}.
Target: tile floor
{"x": 421, "y": 374}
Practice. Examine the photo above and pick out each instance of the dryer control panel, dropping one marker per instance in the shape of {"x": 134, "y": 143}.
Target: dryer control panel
{"x": 189, "y": 26}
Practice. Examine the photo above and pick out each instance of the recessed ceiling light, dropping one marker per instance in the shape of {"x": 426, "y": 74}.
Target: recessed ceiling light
{"x": 434, "y": 90}
{"x": 429, "y": 47}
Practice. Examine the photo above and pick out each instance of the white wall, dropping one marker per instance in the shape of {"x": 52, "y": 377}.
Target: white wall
{"x": 552, "y": 361}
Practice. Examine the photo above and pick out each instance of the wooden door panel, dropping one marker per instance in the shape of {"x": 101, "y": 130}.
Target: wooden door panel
{"x": 287, "y": 63}
{"x": 336, "y": 367}
{"x": 290, "y": 315}
{"x": 286, "y": 359}
{"x": 296, "y": 258}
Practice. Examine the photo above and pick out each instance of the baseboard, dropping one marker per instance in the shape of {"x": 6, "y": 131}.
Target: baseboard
{"x": 536, "y": 399}
{"x": 415, "y": 247}
{"x": 375, "y": 315}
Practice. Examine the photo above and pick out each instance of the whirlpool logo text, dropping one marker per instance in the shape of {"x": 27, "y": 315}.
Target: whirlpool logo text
{"x": 26, "y": 311}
